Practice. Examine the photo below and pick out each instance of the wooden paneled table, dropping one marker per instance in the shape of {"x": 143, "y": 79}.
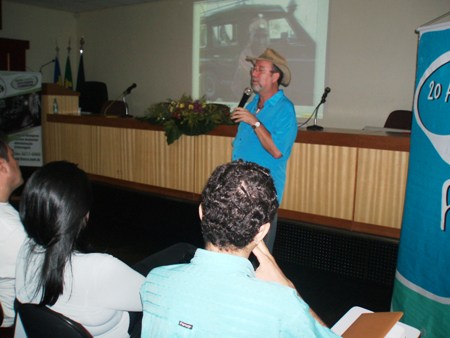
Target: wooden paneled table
{"x": 347, "y": 179}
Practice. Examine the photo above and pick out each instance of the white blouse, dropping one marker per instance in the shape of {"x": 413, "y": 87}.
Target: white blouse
{"x": 99, "y": 290}
{"x": 12, "y": 236}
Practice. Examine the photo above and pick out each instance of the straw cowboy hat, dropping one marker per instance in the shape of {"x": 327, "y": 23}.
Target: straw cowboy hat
{"x": 279, "y": 61}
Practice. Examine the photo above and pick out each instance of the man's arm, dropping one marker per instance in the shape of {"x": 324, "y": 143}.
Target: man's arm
{"x": 264, "y": 136}
{"x": 269, "y": 270}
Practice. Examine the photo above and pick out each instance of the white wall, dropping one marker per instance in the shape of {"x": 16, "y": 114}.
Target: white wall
{"x": 150, "y": 45}
{"x": 43, "y": 28}
{"x": 371, "y": 51}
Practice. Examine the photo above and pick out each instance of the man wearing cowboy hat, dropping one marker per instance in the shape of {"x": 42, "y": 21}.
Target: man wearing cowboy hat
{"x": 267, "y": 125}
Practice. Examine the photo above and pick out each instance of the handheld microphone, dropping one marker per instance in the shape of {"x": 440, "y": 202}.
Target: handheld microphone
{"x": 247, "y": 92}
{"x": 129, "y": 89}
{"x": 325, "y": 94}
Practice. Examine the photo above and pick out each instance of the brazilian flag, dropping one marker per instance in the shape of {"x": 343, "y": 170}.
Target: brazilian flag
{"x": 57, "y": 77}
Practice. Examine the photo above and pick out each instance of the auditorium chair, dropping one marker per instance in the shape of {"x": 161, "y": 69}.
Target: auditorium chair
{"x": 93, "y": 95}
{"x": 39, "y": 321}
{"x": 5, "y": 332}
{"x": 399, "y": 119}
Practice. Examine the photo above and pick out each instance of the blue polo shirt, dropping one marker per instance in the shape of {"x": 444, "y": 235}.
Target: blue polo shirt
{"x": 278, "y": 116}
{"x": 218, "y": 295}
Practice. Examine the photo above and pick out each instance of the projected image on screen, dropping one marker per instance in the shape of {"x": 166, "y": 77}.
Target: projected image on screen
{"x": 226, "y": 32}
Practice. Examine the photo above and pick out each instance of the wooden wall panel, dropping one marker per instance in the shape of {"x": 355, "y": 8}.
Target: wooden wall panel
{"x": 175, "y": 168}
{"x": 209, "y": 152}
{"x": 66, "y": 104}
{"x": 151, "y": 167}
{"x": 381, "y": 185}
{"x": 350, "y": 180}
{"x": 70, "y": 143}
{"x": 132, "y": 155}
{"x": 109, "y": 161}
{"x": 321, "y": 180}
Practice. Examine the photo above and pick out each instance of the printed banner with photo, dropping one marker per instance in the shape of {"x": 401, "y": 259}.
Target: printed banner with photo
{"x": 422, "y": 284}
{"x": 20, "y": 115}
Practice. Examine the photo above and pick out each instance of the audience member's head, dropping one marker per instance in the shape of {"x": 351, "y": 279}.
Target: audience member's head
{"x": 10, "y": 174}
{"x": 237, "y": 200}
{"x": 54, "y": 209}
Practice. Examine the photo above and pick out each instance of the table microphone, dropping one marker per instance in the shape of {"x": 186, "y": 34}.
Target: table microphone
{"x": 324, "y": 98}
{"x": 129, "y": 89}
{"x": 325, "y": 94}
{"x": 46, "y": 64}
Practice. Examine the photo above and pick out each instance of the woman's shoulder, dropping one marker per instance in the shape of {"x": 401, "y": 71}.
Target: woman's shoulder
{"x": 98, "y": 264}
{"x": 94, "y": 258}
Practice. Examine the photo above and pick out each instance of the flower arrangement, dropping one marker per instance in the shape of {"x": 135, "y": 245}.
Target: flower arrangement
{"x": 187, "y": 116}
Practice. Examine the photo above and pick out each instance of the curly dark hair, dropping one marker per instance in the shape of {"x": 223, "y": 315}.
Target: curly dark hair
{"x": 237, "y": 200}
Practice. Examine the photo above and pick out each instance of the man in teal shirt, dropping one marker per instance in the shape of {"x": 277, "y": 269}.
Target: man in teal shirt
{"x": 268, "y": 125}
{"x": 219, "y": 294}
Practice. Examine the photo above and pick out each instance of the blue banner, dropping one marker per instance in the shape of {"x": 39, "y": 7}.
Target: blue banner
{"x": 422, "y": 284}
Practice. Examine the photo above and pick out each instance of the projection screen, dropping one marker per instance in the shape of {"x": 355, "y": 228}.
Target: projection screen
{"x": 226, "y": 31}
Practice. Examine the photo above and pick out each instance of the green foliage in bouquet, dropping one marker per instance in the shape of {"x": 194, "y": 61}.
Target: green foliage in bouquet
{"x": 187, "y": 116}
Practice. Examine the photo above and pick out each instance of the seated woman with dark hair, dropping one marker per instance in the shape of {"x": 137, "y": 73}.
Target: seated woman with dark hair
{"x": 95, "y": 289}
